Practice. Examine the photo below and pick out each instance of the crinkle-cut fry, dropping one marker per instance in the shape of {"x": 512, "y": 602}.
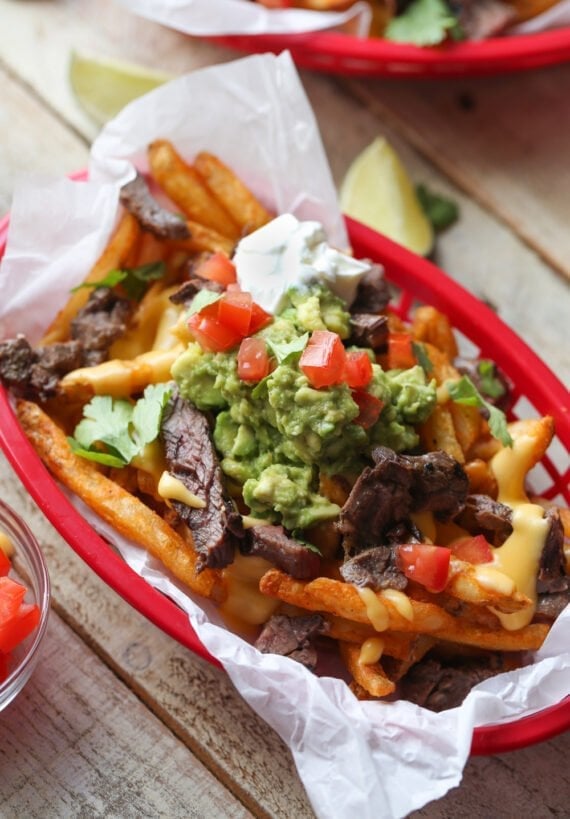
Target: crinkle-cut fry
{"x": 120, "y": 378}
{"x": 438, "y": 432}
{"x": 238, "y": 200}
{"x": 469, "y": 583}
{"x": 126, "y": 513}
{"x": 204, "y": 240}
{"x": 187, "y": 189}
{"x": 433, "y": 327}
{"x": 116, "y": 255}
{"x": 344, "y": 600}
{"x": 371, "y": 676}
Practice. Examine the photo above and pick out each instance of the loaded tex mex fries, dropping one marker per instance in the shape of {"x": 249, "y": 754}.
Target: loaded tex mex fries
{"x": 242, "y": 400}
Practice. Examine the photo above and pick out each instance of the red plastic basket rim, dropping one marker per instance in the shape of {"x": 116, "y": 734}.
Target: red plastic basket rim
{"x": 434, "y": 287}
{"x": 335, "y": 52}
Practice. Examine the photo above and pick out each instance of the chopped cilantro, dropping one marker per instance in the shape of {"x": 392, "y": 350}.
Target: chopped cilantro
{"x": 422, "y": 357}
{"x": 490, "y": 384}
{"x": 133, "y": 279}
{"x": 440, "y": 210}
{"x": 284, "y": 352}
{"x": 123, "y": 428}
{"x": 465, "y": 392}
{"x": 202, "y": 299}
{"x": 424, "y": 23}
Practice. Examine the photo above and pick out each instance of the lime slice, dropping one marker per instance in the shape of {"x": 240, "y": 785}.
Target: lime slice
{"x": 104, "y": 86}
{"x": 378, "y": 191}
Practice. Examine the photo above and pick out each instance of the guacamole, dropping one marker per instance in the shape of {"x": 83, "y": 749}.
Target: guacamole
{"x": 277, "y": 436}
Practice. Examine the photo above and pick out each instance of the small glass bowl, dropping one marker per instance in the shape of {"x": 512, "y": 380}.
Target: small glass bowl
{"x": 28, "y": 568}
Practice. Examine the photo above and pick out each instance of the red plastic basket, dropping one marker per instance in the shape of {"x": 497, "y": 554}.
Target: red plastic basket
{"x": 335, "y": 53}
{"x": 416, "y": 279}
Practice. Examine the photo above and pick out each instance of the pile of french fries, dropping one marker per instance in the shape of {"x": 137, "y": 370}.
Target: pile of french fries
{"x": 219, "y": 209}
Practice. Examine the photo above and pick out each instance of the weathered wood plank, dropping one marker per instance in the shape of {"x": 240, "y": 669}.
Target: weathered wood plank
{"x": 502, "y": 140}
{"x": 77, "y": 742}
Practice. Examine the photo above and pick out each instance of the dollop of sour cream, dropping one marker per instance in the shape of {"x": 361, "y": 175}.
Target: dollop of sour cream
{"x": 287, "y": 253}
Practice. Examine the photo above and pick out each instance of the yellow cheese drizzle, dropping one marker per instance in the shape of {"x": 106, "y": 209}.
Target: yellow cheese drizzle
{"x": 245, "y": 604}
{"x": 376, "y": 611}
{"x": 519, "y": 556}
{"x": 170, "y": 488}
{"x": 400, "y": 601}
{"x": 371, "y": 651}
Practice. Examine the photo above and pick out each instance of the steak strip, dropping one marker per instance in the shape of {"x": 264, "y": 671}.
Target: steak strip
{"x": 291, "y": 637}
{"x": 216, "y": 528}
{"x": 288, "y": 554}
{"x": 138, "y": 200}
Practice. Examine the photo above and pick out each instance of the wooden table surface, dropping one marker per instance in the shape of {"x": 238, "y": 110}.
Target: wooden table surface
{"x": 119, "y": 720}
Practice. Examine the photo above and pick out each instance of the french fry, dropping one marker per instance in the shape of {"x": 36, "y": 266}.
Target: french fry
{"x": 396, "y": 644}
{"x": 429, "y": 325}
{"x": 370, "y": 677}
{"x": 116, "y": 255}
{"x": 466, "y": 583}
{"x": 204, "y": 240}
{"x": 187, "y": 189}
{"x": 467, "y": 424}
{"x": 123, "y": 511}
{"x": 343, "y": 600}
{"x": 248, "y": 213}
{"x": 119, "y": 378}
{"x": 438, "y": 432}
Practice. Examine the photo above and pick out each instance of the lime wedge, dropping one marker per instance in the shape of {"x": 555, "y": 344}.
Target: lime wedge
{"x": 104, "y": 86}
{"x": 378, "y": 191}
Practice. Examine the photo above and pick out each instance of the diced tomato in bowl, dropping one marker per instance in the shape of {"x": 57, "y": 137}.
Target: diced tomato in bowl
{"x": 425, "y": 564}
{"x": 24, "y": 604}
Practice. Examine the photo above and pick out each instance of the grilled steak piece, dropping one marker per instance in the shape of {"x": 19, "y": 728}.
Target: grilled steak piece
{"x": 288, "y": 554}
{"x": 138, "y": 200}
{"x": 369, "y": 330}
{"x": 482, "y": 515}
{"x": 35, "y": 373}
{"x": 397, "y": 485}
{"x": 551, "y": 574}
{"x": 376, "y": 568}
{"x": 103, "y": 319}
{"x": 217, "y": 527}
{"x": 480, "y": 19}
{"x": 188, "y": 290}
{"x": 438, "y": 687}
{"x": 373, "y": 293}
{"x": 380, "y": 497}
{"x": 291, "y": 637}
{"x": 549, "y": 606}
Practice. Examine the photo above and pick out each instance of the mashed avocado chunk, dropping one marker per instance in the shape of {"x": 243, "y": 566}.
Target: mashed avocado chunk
{"x": 276, "y": 436}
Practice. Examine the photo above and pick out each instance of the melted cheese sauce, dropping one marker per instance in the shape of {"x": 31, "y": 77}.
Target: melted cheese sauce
{"x": 171, "y": 488}
{"x": 519, "y": 556}
{"x": 401, "y": 603}
{"x": 245, "y": 605}
{"x": 151, "y": 460}
{"x": 371, "y": 651}
{"x": 376, "y": 611}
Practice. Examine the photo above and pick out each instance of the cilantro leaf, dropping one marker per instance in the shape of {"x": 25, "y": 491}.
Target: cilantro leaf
{"x": 133, "y": 279}
{"x": 202, "y": 299}
{"x": 284, "y": 351}
{"x": 440, "y": 210}
{"x": 465, "y": 392}
{"x": 420, "y": 353}
{"x": 424, "y": 23}
{"x": 123, "y": 428}
{"x": 490, "y": 384}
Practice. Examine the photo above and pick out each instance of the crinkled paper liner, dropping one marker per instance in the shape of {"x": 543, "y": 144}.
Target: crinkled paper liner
{"x": 380, "y": 759}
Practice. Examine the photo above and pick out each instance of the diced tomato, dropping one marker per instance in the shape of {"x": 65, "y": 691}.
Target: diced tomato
{"x": 358, "y": 369}
{"x": 323, "y": 359}
{"x": 211, "y": 334}
{"x": 472, "y": 549}
{"x": 234, "y": 311}
{"x": 11, "y": 597}
{"x": 400, "y": 352}
{"x": 252, "y": 359}
{"x": 18, "y": 627}
{"x": 370, "y": 408}
{"x": 259, "y": 318}
{"x": 425, "y": 564}
{"x": 217, "y": 268}
{"x": 4, "y": 563}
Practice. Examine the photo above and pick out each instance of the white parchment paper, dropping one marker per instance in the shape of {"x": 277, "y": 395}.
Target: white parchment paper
{"x": 377, "y": 759}
{"x": 207, "y": 18}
